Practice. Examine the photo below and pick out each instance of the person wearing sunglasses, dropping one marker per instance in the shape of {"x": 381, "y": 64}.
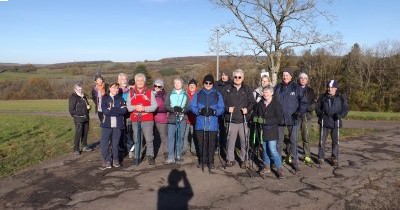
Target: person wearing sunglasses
{"x": 239, "y": 101}
{"x": 207, "y": 105}
{"x": 160, "y": 119}
{"x": 294, "y": 105}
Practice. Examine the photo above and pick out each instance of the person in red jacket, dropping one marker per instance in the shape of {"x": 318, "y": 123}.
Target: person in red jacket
{"x": 189, "y": 140}
{"x": 142, "y": 103}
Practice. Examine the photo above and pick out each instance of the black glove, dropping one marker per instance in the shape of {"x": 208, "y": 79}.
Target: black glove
{"x": 336, "y": 117}
{"x": 297, "y": 115}
{"x": 207, "y": 111}
{"x": 178, "y": 109}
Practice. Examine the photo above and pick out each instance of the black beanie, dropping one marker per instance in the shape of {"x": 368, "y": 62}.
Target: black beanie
{"x": 208, "y": 78}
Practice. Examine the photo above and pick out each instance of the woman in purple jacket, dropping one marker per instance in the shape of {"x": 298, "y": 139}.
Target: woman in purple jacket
{"x": 160, "y": 119}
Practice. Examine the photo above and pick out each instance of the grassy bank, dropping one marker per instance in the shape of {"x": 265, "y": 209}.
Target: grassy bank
{"x": 357, "y": 115}
{"x": 26, "y": 140}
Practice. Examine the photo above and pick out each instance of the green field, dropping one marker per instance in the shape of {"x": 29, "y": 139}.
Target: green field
{"x": 357, "y": 115}
{"x": 28, "y": 139}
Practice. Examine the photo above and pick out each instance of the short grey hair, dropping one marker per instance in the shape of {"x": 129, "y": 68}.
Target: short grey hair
{"x": 122, "y": 75}
{"x": 304, "y": 75}
{"x": 179, "y": 79}
{"x": 78, "y": 84}
{"x": 140, "y": 75}
{"x": 238, "y": 71}
{"x": 268, "y": 87}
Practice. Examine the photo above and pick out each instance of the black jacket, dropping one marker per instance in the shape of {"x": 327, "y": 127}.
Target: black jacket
{"x": 219, "y": 85}
{"x": 272, "y": 115}
{"x": 293, "y": 102}
{"x": 113, "y": 107}
{"x": 310, "y": 96}
{"x": 242, "y": 98}
{"x": 78, "y": 107}
{"x": 330, "y": 109}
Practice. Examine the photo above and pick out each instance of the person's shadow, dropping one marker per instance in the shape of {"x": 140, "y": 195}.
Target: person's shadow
{"x": 173, "y": 196}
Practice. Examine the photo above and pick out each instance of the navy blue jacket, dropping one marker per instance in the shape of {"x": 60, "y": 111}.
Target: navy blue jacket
{"x": 203, "y": 98}
{"x": 292, "y": 100}
{"x": 118, "y": 110}
{"x": 330, "y": 109}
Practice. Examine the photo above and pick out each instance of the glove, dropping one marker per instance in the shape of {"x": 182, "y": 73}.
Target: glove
{"x": 297, "y": 115}
{"x": 207, "y": 111}
{"x": 178, "y": 109}
{"x": 336, "y": 117}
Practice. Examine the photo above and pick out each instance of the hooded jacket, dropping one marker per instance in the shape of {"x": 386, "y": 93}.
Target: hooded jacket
{"x": 238, "y": 98}
{"x": 331, "y": 109}
{"x": 77, "y": 106}
{"x": 180, "y": 99}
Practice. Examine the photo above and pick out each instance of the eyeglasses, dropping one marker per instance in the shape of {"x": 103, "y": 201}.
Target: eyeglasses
{"x": 237, "y": 77}
{"x": 208, "y": 83}
{"x": 157, "y": 86}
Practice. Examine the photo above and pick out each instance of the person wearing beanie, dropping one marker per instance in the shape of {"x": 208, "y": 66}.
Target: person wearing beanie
{"x": 239, "y": 102}
{"x": 189, "y": 132}
{"x": 160, "y": 119}
{"x": 207, "y": 104}
{"x": 331, "y": 108}
{"x": 294, "y": 105}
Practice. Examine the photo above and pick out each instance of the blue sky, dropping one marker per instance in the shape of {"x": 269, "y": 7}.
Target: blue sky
{"x": 51, "y": 31}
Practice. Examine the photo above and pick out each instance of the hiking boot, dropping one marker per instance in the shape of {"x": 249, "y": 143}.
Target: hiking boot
{"x": 106, "y": 165}
{"x": 266, "y": 170}
{"x": 243, "y": 165}
{"x": 87, "y": 149}
{"x": 335, "y": 163}
{"x": 211, "y": 166}
{"x": 116, "y": 164}
{"x": 77, "y": 153}
{"x": 321, "y": 161}
{"x": 296, "y": 166}
{"x": 170, "y": 161}
{"x": 151, "y": 160}
{"x": 288, "y": 159}
{"x": 308, "y": 160}
{"x": 280, "y": 173}
{"x": 230, "y": 163}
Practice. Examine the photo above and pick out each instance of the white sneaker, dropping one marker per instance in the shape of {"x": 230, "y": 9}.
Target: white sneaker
{"x": 131, "y": 154}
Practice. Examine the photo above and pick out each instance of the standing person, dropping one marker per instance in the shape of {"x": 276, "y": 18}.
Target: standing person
{"x": 114, "y": 109}
{"x": 99, "y": 90}
{"x": 142, "y": 103}
{"x": 258, "y": 92}
{"x": 79, "y": 109}
{"x": 269, "y": 111}
{"x": 238, "y": 101}
{"x": 207, "y": 105}
{"x": 126, "y": 141}
{"x": 190, "y": 123}
{"x": 331, "y": 108}
{"x": 176, "y": 104}
{"x": 160, "y": 119}
{"x": 294, "y": 104}
{"x": 224, "y": 81}
{"x": 305, "y": 119}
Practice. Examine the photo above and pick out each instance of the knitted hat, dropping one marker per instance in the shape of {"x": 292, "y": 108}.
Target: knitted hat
{"x": 192, "y": 81}
{"x": 208, "y": 78}
{"x": 332, "y": 84}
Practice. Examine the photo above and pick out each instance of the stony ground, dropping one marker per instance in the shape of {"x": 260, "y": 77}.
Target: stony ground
{"x": 368, "y": 178}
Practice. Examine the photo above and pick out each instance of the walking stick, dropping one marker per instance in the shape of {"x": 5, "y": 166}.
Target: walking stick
{"x": 320, "y": 137}
{"x": 208, "y": 146}
{"x": 139, "y": 138}
{"x": 246, "y": 139}
{"x": 227, "y": 138}
{"x": 203, "y": 146}
{"x": 176, "y": 134}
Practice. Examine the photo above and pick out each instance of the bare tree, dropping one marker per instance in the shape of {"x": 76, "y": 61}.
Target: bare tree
{"x": 268, "y": 27}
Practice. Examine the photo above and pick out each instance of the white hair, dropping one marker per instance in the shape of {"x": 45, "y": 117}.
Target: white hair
{"x": 238, "y": 71}
{"x": 303, "y": 75}
{"x": 140, "y": 75}
{"x": 122, "y": 75}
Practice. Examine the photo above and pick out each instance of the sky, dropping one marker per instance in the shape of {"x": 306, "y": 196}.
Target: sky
{"x": 53, "y": 31}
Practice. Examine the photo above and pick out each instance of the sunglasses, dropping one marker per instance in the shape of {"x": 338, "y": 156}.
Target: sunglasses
{"x": 208, "y": 83}
{"x": 237, "y": 77}
{"x": 157, "y": 86}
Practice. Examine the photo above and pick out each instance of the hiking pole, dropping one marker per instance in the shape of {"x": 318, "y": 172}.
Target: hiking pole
{"x": 176, "y": 135}
{"x": 227, "y": 137}
{"x": 320, "y": 137}
{"x": 139, "y": 138}
{"x": 203, "y": 146}
{"x": 246, "y": 140}
{"x": 208, "y": 146}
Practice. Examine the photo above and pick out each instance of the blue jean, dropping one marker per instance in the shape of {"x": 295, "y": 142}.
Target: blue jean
{"x": 272, "y": 153}
{"x": 172, "y": 132}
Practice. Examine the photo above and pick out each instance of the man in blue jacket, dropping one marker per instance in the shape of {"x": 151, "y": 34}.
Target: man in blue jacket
{"x": 207, "y": 105}
{"x": 294, "y": 105}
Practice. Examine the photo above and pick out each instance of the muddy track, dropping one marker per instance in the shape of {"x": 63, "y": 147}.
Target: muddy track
{"x": 368, "y": 178}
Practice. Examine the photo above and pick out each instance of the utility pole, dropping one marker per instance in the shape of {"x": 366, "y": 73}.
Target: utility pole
{"x": 217, "y": 54}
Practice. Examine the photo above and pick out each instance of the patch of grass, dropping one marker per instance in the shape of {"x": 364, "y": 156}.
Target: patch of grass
{"x": 358, "y": 115}
{"x": 46, "y": 105}
{"x": 26, "y": 140}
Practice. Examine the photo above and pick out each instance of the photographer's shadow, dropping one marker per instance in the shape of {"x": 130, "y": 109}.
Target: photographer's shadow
{"x": 173, "y": 196}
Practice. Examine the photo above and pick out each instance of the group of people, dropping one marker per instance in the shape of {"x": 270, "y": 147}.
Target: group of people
{"x": 133, "y": 117}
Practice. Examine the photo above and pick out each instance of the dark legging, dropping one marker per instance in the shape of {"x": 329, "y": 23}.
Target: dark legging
{"x": 81, "y": 132}
{"x": 207, "y": 141}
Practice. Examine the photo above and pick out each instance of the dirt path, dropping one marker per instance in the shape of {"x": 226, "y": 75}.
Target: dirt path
{"x": 368, "y": 178}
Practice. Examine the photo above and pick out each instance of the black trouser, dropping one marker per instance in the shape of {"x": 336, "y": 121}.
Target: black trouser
{"x": 101, "y": 116}
{"x": 335, "y": 143}
{"x": 206, "y": 141}
{"x": 304, "y": 129}
{"x": 81, "y": 132}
